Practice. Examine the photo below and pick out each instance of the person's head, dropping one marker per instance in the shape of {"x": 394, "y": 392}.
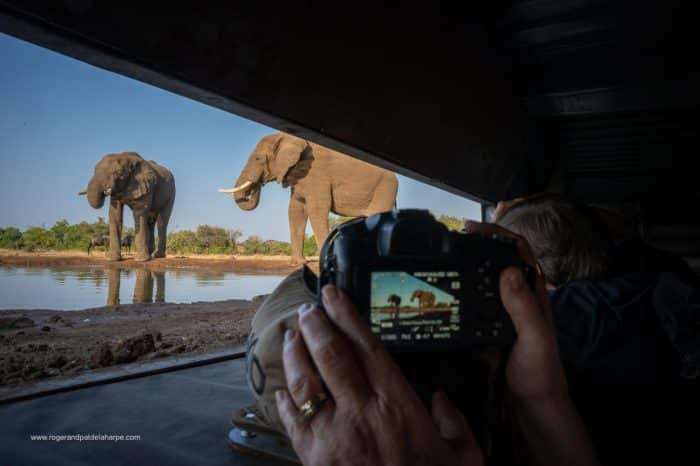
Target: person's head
{"x": 568, "y": 240}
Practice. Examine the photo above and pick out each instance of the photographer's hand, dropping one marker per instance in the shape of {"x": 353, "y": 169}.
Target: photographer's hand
{"x": 372, "y": 416}
{"x": 550, "y": 423}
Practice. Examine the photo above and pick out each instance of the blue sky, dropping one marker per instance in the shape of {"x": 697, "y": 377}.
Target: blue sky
{"x": 58, "y": 116}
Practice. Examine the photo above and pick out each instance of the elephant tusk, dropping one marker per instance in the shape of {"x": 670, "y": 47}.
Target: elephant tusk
{"x": 83, "y": 192}
{"x": 238, "y": 189}
{"x": 108, "y": 192}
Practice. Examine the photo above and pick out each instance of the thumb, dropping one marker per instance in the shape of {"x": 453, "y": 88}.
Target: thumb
{"x": 522, "y": 305}
{"x": 455, "y": 430}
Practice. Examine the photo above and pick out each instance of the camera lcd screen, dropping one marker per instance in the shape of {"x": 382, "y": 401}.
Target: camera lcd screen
{"x": 415, "y": 306}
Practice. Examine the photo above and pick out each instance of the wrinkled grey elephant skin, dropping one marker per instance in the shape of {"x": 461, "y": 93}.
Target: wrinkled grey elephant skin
{"x": 321, "y": 181}
{"x": 143, "y": 185}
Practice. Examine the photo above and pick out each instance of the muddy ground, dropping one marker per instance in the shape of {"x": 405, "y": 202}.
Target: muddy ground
{"x": 38, "y": 344}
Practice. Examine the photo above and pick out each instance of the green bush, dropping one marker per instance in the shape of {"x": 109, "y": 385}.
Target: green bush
{"x": 10, "y": 238}
{"x": 182, "y": 241}
{"x": 452, "y": 223}
{"x": 37, "y": 238}
{"x": 335, "y": 220}
{"x": 206, "y": 240}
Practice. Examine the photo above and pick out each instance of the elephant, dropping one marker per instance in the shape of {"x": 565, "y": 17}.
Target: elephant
{"x": 425, "y": 298}
{"x": 146, "y": 187}
{"x": 99, "y": 240}
{"x": 126, "y": 242}
{"x": 321, "y": 181}
{"x": 394, "y": 300}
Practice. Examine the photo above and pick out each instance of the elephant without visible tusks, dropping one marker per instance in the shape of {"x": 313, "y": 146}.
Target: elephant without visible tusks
{"x": 146, "y": 187}
{"x": 394, "y": 300}
{"x": 321, "y": 181}
{"x": 425, "y": 298}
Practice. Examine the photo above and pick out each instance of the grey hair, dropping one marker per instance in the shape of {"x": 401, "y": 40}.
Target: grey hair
{"x": 568, "y": 240}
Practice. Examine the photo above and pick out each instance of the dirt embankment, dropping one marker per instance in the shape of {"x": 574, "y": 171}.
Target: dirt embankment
{"x": 37, "y": 344}
{"x": 220, "y": 262}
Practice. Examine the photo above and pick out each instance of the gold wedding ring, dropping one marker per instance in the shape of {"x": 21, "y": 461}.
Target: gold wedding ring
{"x": 309, "y": 409}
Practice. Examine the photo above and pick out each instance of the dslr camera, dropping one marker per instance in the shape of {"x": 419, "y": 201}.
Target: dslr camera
{"x": 420, "y": 287}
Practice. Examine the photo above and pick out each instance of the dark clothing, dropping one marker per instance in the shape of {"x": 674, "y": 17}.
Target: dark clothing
{"x": 631, "y": 347}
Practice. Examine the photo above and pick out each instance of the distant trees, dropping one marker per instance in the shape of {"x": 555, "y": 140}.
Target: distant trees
{"x": 10, "y": 238}
{"x": 206, "y": 239}
{"x": 452, "y": 223}
{"x": 335, "y": 220}
{"x": 61, "y": 235}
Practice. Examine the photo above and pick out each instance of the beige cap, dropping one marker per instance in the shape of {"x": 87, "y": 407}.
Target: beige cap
{"x": 264, "y": 348}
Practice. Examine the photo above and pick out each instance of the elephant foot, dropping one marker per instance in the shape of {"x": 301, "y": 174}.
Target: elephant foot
{"x": 158, "y": 255}
{"x": 295, "y": 262}
{"x": 140, "y": 258}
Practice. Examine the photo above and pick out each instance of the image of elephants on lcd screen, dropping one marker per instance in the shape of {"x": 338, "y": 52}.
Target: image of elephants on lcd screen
{"x": 406, "y": 295}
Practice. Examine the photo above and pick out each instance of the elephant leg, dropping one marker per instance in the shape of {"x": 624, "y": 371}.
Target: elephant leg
{"x": 142, "y": 236}
{"x": 151, "y": 236}
{"x": 318, "y": 214}
{"x": 162, "y": 221}
{"x": 116, "y": 217}
{"x": 297, "y": 227}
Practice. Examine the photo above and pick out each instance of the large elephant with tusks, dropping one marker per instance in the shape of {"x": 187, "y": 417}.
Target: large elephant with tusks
{"x": 143, "y": 185}
{"x": 321, "y": 181}
{"x": 425, "y": 298}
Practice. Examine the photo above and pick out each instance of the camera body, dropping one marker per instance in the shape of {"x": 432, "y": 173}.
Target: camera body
{"x": 421, "y": 287}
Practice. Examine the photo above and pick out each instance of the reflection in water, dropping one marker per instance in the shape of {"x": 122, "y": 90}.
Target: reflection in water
{"x": 69, "y": 288}
{"x": 113, "y": 290}
{"x": 143, "y": 286}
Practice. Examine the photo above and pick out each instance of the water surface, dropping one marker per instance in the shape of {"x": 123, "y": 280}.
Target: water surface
{"x": 73, "y": 288}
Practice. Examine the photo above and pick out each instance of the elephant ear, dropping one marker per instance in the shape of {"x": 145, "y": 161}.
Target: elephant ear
{"x": 287, "y": 153}
{"x": 142, "y": 181}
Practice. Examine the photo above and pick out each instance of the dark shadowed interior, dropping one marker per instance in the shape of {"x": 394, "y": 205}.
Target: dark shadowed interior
{"x": 596, "y": 99}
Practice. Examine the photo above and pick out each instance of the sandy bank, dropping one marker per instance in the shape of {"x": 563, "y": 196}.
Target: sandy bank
{"x": 220, "y": 262}
{"x": 41, "y": 344}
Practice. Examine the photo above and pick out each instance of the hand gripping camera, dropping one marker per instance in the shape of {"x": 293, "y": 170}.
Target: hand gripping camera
{"x": 421, "y": 287}
{"x": 432, "y": 298}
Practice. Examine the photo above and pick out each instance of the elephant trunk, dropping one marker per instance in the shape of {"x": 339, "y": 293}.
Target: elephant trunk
{"x": 248, "y": 198}
{"x": 95, "y": 194}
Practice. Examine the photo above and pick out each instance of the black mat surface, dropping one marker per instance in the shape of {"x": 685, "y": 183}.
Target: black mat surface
{"x": 183, "y": 418}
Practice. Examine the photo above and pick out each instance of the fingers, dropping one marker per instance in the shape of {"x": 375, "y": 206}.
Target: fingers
{"x": 455, "y": 430}
{"x": 302, "y": 380}
{"x": 501, "y": 208}
{"x": 523, "y": 306}
{"x": 334, "y": 357}
{"x": 289, "y": 415}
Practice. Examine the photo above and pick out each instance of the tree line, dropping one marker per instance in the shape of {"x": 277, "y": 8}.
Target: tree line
{"x": 206, "y": 239}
